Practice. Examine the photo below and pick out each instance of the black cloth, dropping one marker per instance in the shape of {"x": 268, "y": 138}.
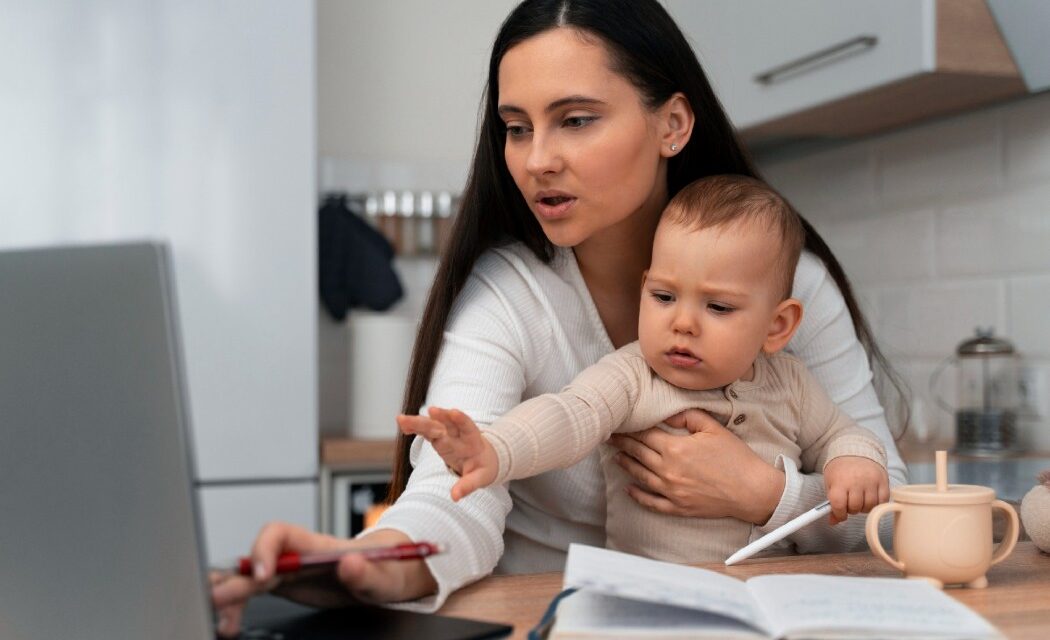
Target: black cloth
{"x": 355, "y": 262}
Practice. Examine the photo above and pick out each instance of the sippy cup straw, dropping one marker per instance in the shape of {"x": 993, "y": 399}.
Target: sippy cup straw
{"x": 941, "y": 458}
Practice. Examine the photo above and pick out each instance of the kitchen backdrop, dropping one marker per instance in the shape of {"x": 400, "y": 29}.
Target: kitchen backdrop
{"x": 943, "y": 227}
{"x": 903, "y": 130}
{"x": 907, "y": 131}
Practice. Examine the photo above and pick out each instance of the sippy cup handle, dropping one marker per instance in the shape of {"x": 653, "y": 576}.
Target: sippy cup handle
{"x": 1012, "y": 531}
{"x": 871, "y": 531}
{"x": 932, "y": 384}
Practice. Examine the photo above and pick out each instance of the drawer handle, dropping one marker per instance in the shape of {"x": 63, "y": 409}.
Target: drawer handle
{"x": 834, "y": 53}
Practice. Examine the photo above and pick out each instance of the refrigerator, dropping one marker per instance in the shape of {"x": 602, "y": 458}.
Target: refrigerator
{"x": 193, "y": 122}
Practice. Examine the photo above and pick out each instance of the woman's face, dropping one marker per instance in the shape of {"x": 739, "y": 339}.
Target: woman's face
{"x": 580, "y": 144}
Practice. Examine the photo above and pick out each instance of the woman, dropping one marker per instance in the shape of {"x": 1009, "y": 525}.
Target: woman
{"x": 596, "y": 112}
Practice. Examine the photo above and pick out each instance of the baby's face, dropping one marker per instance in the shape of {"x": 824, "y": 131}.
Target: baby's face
{"x": 708, "y": 302}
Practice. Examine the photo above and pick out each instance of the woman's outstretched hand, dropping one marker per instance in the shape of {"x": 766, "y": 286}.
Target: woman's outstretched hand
{"x": 355, "y": 578}
{"x": 711, "y": 473}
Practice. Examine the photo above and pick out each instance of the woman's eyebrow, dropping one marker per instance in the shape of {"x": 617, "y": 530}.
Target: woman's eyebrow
{"x": 505, "y": 109}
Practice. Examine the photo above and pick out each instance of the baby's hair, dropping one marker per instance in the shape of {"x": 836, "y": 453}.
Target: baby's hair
{"x": 724, "y": 200}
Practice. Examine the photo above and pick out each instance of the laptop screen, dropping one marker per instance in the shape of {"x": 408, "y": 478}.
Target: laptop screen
{"x": 98, "y": 534}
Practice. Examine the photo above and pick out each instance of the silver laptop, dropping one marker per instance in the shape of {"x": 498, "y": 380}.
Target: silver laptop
{"x": 99, "y": 533}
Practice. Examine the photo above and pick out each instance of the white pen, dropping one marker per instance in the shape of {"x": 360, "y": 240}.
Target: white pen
{"x": 780, "y": 532}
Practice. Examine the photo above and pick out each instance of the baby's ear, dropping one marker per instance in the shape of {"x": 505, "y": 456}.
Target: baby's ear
{"x": 786, "y": 318}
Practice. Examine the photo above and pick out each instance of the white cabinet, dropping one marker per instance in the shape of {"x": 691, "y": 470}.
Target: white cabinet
{"x": 783, "y": 57}
{"x": 233, "y": 514}
{"x": 835, "y": 67}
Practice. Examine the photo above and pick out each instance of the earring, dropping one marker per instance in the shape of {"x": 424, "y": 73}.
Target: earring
{"x": 674, "y": 146}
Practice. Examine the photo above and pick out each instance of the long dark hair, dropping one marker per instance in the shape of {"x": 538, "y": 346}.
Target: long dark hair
{"x": 646, "y": 47}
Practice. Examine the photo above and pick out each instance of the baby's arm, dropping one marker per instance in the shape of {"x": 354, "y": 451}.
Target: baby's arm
{"x": 851, "y": 458}
{"x": 460, "y": 444}
{"x": 557, "y": 430}
{"x": 549, "y": 431}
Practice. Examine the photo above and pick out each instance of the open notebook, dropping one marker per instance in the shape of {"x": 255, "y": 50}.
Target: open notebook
{"x": 624, "y": 596}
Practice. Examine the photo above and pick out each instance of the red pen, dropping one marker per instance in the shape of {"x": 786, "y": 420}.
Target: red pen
{"x": 291, "y": 561}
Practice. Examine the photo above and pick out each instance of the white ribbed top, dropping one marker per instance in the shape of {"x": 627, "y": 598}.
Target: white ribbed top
{"x": 521, "y": 328}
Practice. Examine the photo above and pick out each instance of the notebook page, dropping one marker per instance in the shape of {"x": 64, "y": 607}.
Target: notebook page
{"x": 586, "y": 614}
{"x": 636, "y": 578}
{"x": 863, "y": 607}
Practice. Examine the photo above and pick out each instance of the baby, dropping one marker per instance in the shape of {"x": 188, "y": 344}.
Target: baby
{"x": 716, "y": 311}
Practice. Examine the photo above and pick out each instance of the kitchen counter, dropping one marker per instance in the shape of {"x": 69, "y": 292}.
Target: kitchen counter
{"x": 1010, "y": 477}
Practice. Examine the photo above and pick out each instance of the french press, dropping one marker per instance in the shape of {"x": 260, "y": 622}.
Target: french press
{"x": 989, "y": 397}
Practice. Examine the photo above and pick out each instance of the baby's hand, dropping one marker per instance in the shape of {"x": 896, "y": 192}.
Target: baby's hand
{"x": 459, "y": 443}
{"x": 854, "y": 485}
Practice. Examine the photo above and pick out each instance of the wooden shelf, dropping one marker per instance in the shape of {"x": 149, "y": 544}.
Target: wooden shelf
{"x": 349, "y": 453}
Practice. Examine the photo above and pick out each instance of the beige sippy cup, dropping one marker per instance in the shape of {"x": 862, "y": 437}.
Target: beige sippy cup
{"x": 943, "y": 532}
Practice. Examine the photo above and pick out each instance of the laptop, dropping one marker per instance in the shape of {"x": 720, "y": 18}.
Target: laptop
{"x": 100, "y": 534}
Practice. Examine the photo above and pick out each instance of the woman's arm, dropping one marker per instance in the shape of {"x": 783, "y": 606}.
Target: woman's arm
{"x": 490, "y": 341}
{"x": 490, "y": 346}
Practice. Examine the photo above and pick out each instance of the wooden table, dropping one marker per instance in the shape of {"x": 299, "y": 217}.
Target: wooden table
{"x": 1017, "y": 600}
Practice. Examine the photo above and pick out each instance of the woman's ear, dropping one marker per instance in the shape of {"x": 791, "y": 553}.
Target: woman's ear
{"x": 786, "y": 318}
{"x": 677, "y": 118}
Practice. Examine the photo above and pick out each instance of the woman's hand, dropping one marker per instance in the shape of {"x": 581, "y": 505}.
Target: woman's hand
{"x": 355, "y": 578}
{"x": 711, "y": 473}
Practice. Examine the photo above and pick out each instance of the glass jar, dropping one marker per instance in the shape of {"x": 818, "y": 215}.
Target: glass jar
{"x": 988, "y": 399}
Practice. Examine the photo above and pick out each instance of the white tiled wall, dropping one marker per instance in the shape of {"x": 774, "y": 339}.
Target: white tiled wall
{"x": 941, "y": 227}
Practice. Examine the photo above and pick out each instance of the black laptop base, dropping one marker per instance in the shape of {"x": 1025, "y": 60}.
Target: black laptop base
{"x": 272, "y": 618}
